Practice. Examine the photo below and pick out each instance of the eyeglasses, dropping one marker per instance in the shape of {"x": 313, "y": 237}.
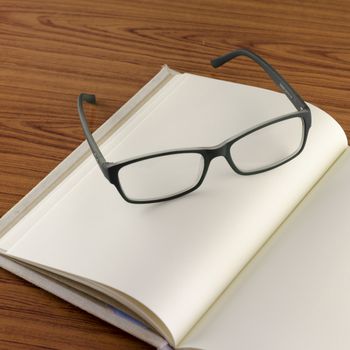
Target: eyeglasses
{"x": 167, "y": 175}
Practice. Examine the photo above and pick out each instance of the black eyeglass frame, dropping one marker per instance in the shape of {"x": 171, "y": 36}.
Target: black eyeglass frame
{"x": 111, "y": 170}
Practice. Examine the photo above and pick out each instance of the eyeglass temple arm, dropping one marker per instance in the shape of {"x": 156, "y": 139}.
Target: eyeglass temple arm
{"x": 293, "y": 96}
{"x": 101, "y": 161}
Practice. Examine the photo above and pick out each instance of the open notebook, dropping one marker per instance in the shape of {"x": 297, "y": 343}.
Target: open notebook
{"x": 197, "y": 271}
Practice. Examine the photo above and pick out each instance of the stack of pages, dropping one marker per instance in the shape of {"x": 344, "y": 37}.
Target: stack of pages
{"x": 244, "y": 262}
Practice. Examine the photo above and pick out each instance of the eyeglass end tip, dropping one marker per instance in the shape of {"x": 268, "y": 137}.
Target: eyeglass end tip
{"x": 215, "y": 63}
{"x": 90, "y": 98}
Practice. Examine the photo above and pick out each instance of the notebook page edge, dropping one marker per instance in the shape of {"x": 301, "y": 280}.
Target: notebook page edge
{"x": 74, "y": 159}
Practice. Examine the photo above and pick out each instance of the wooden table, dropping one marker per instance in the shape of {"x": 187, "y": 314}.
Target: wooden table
{"x": 50, "y": 51}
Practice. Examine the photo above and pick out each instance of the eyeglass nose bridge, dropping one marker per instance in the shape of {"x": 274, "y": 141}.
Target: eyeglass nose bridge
{"x": 221, "y": 150}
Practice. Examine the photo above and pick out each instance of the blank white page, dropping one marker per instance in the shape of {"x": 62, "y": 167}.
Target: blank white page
{"x": 176, "y": 257}
{"x": 295, "y": 294}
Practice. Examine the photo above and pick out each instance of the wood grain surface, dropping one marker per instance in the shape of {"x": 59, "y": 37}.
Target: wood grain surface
{"x": 50, "y": 51}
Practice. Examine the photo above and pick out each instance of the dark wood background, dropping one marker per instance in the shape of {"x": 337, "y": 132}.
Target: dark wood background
{"x": 50, "y": 51}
